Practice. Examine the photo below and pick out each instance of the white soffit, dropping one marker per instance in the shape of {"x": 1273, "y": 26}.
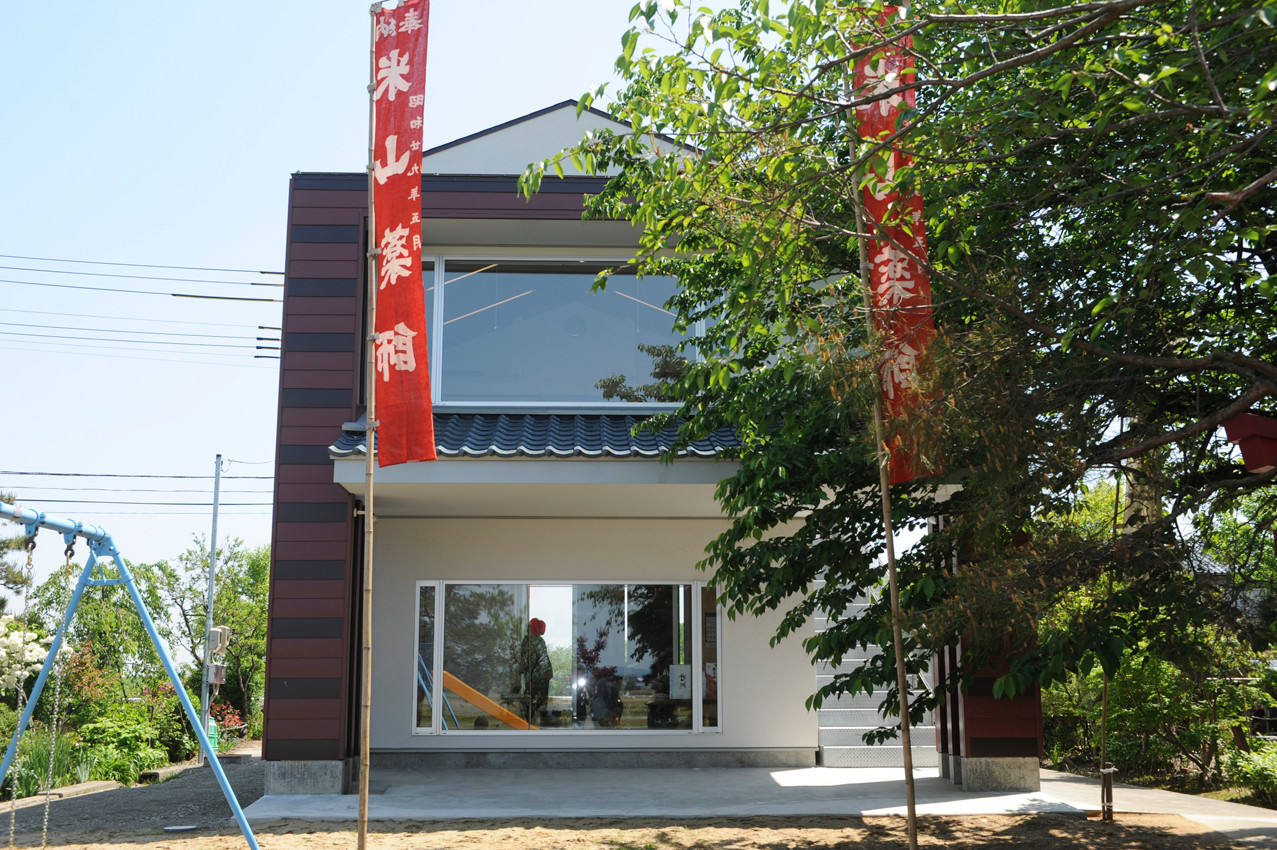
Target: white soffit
{"x": 541, "y": 488}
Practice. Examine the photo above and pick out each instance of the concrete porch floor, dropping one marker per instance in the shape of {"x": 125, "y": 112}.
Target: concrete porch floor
{"x": 726, "y": 792}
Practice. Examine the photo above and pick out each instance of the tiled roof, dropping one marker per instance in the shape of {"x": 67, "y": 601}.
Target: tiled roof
{"x": 546, "y": 435}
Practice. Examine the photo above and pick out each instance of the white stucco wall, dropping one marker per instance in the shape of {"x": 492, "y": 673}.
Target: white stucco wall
{"x": 763, "y": 688}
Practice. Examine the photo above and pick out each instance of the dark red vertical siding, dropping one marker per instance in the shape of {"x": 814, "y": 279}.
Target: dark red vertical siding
{"x": 309, "y": 653}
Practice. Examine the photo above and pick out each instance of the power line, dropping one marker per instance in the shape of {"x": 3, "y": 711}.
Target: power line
{"x": 246, "y": 346}
{"x": 102, "y": 351}
{"x": 155, "y": 504}
{"x": 133, "y": 490}
{"x": 133, "y": 265}
{"x": 184, "y": 334}
{"x": 139, "y": 319}
{"x": 139, "y": 291}
{"x": 124, "y": 475}
{"x": 141, "y": 277}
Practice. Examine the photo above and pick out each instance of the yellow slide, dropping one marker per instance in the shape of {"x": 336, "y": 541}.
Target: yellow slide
{"x": 470, "y": 695}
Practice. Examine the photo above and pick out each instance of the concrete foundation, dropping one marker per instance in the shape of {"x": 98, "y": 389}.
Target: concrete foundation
{"x": 997, "y": 774}
{"x": 309, "y": 777}
{"x": 575, "y": 759}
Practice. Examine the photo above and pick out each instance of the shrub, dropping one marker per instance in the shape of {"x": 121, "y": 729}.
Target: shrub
{"x": 1258, "y": 772}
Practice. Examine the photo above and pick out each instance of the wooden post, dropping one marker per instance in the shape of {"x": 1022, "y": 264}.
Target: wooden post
{"x": 884, "y": 485}
{"x": 370, "y": 443}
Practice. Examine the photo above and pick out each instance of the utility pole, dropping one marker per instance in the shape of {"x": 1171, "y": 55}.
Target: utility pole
{"x": 208, "y": 603}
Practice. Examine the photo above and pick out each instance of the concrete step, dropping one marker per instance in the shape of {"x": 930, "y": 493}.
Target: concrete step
{"x": 853, "y": 736}
{"x": 848, "y": 717}
{"x": 881, "y": 756}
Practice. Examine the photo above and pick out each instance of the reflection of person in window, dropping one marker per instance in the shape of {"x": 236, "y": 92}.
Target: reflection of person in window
{"x": 530, "y": 689}
{"x": 605, "y": 705}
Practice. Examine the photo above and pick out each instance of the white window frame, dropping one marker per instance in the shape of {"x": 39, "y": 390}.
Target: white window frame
{"x": 696, "y": 615}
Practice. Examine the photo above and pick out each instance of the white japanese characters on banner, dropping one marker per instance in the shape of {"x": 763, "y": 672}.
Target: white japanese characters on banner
{"x": 899, "y": 288}
{"x": 402, "y": 372}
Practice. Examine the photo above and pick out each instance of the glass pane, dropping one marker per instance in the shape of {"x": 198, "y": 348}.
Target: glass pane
{"x": 426, "y": 657}
{"x": 535, "y": 332}
{"x": 631, "y": 666}
{"x": 710, "y": 669}
{"x": 483, "y": 628}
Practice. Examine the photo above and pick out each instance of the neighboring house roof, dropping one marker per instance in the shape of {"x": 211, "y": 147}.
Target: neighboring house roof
{"x": 537, "y": 435}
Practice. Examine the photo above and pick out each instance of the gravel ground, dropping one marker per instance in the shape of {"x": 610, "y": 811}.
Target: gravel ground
{"x": 192, "y": 798}
{"x": 138, "y": 815}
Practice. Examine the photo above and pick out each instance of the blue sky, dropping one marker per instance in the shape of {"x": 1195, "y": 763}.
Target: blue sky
{"x": 165, "y": 135}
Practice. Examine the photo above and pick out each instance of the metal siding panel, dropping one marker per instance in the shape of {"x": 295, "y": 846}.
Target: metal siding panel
{"x": 286, "y": 531}
{"x": 305, "y": 323}
{"x": 314, "y": 435}
{"x": 317, "y": 378}
{"x": 325, "y": 550}
{"x": 334, "y": 416}
{"x": 303, "y": 454}
{"x": 287, "y": 709}
{"x": 309, "y": 625}
{"x": 302, "y": 571}
{"x": 324, "y": 233}
{"x": 319, "y": 361}
{"x": 306, "y": 397}
{"x": 306, "y": 511}
{"x": 355, "y": 199}
{"x": 310, "y": 588}
{"x": 292, "y": 608}
{"x": 307, "y": 648}
{"x": 306, "y": 474}
{"x": 317, "y": 493}
{"x": 325, "y": 306}
{"x": 313, "y": 750}
{"x": 322, "y": 268}
{"x": 322, "y": 287}
{"x": 306, "y": 728}
{"x": 319, "y": 342}
{"x": 302, "y": 688}
{"x": 328, "y": 215}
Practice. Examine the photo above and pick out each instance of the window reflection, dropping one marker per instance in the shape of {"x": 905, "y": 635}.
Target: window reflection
{"x": 534, "y": 331}
{"x": 566, "y": 657}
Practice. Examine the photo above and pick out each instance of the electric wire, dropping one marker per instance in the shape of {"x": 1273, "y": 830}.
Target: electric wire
{"x": 140, "y": 319}
{"x": 141, "y": 277}
{"x": 103, "y": 352}
{"x": 139, "y": 291}
{"x": 27, "y": 487}
{"x": 155, "y": 504}
{"x": 54, "y": 337}
{"x": 134, "y": 265}
{"x": 182, "y": 334}
{"x": 126, "y": 475}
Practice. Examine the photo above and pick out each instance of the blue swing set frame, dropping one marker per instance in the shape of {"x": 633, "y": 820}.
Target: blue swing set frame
{"x": 102, "y": 547}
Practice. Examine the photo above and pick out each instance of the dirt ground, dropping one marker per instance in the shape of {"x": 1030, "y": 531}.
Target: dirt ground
{"x": 139, "y": 816}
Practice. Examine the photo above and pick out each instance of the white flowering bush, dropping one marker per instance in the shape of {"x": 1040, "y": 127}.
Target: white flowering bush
{"x": 21, "y": 652}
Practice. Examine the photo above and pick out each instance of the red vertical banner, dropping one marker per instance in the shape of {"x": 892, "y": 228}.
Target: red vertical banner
{"x": 402, "y": 371}
{"x": 899, "y": 287}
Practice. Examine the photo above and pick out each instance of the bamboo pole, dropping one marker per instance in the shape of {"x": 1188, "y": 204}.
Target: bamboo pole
{"x": 884, "y": 483}
{"x": 370, "y": 443}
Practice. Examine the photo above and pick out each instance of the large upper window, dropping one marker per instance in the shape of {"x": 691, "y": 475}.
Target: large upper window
{"x": 521, "y": 331}
{"x": 535, "y": 657}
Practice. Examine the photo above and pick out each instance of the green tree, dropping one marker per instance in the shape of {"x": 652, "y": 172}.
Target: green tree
{"x": 239, "y": 601}
{"x": 13, "y": 576}
{"x": 1099, "y": 206}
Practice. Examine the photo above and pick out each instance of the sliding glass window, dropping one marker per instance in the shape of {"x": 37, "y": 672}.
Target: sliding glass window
{"x": 566, "y": 657}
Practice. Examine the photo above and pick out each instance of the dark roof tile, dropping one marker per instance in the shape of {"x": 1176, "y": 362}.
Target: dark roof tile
{"x": 546, "y": 435}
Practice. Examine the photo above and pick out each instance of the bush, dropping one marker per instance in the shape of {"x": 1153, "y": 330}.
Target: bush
{"x": 1258, "y": 772}
{"x": 168, "y": 720}
{"x": 122, "y": 747}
